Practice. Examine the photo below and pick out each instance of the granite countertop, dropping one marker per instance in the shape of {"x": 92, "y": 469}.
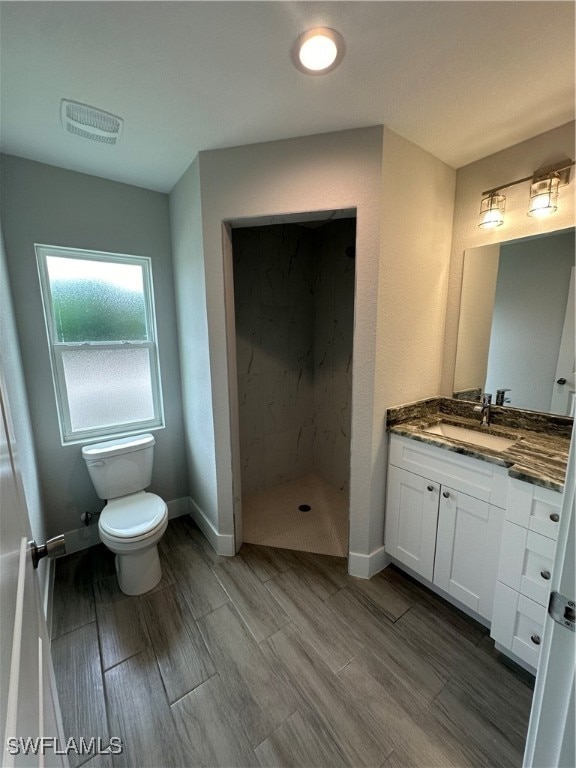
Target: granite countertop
{"x": 539, "y": 456}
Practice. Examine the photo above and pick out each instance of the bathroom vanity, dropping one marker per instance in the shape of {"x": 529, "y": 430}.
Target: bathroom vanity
{"x": 473, "y": 512}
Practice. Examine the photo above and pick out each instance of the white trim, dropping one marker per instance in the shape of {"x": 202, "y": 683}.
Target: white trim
{"x": 366, "y": 566}
{"x": 87, "y": 535}
{"x": 222, "y": 544}
{"x": 178, "y": 507}
{"x": 82, "y": 538}
{"x": 57, "y": 349}
{"x": 48, "y": 597}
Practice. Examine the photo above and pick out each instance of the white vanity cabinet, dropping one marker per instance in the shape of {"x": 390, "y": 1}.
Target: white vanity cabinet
{"x": 526, "y": 559}
{"x": 444, "y": 518}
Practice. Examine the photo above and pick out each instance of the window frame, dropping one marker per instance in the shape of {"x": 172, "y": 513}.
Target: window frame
{"x": 68, "y": 435}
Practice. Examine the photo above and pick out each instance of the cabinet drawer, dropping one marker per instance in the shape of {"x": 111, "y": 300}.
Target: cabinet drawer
{"x": 480, "y": 479}
{"x": 526, "y": 560}
{"x": 518, "y": 623}
{"x": 532, "y": 507}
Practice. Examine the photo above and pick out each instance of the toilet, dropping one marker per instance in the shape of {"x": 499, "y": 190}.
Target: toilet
{"x": 133, "y": 521}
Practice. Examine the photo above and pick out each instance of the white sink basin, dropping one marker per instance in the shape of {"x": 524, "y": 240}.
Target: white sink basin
{"x": 471, "y": 436}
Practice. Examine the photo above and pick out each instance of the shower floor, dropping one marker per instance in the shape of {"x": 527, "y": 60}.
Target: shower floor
{"x": 271, "y": 517}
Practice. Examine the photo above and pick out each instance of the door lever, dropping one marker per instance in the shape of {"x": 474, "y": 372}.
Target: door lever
{"x": 54, "y": 547}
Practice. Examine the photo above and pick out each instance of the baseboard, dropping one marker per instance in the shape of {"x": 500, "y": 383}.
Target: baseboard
{"x": 178, "y": 507}
{"x": 87, "y": 536}
{"x": 366, "y": 566}
{"x": 81, "y": 538}
{"x": 222, "y": 544}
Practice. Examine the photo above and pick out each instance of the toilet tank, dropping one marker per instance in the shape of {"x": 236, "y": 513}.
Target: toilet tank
{"x": 119, "y": 467}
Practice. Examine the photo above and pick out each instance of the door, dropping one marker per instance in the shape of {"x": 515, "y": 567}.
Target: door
{"x": 563, "y": 393}
{"x": 29, "y": 700}
{"x": 412, "y": 515}
{"x": 550, "y": 740}
{"x": 467, "y": 549}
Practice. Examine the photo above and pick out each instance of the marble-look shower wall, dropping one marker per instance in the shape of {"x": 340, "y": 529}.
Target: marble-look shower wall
{"x": 273, "y": 279}
{"x": 294, "y": 305}
{"x": 333, "y": 339}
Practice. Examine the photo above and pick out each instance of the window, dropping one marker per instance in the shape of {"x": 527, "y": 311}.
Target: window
{"x": 99, "y": 312}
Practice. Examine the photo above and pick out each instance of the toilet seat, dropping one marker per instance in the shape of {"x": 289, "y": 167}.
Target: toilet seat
{"x": 134, "y": 517}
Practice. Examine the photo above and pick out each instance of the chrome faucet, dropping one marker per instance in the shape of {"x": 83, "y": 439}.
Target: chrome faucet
{"x": 501, "y": 396}
{"x": 484, "y": 410}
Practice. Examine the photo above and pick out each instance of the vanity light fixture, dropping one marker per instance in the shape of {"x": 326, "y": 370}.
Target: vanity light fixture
{"x": 544, "y": 196}
{"x": 318, "y": 51}
{"x": 544, "y": 185}
{"x": 492, "y": 211}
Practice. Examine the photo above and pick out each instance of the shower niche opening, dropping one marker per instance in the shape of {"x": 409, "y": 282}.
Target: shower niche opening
{"x": 294, "y": 322}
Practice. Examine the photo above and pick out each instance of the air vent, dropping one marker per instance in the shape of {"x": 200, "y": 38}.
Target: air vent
{"x": 90, "y": 123}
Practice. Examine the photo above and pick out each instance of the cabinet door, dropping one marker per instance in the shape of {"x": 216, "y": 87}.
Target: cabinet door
{"x": 468, "y": 549}
{"x": 411, "y": 517}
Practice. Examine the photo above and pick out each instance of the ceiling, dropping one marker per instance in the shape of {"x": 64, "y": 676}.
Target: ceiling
{"x": 460, "y": 79}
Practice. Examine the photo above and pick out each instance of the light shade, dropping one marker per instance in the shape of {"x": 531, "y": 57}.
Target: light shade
{"x": 543, "y": 197}
{"x": 318, "y": 51}
{"x": 492, "y": 211}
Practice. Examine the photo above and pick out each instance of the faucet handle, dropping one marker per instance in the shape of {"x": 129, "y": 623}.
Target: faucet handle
{"x": 487, "y": 398}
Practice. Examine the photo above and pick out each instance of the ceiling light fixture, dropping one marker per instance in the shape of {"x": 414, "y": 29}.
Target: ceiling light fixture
{"x": 544, "y": 185}
{"x": 318, "y": 51}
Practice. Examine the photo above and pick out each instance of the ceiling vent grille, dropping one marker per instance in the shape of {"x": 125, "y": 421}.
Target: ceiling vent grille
{"x": 90, "y": 123}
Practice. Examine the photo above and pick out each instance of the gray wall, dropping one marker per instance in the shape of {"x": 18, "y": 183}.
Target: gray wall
{"x": 45, "y": 204}
{"x": 528, "y": 318}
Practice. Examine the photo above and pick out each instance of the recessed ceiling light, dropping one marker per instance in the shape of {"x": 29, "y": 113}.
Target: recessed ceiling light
{"x": 318, "y": 51}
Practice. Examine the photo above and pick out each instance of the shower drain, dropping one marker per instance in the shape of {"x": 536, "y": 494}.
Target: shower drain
{"x": 304, "y": 507}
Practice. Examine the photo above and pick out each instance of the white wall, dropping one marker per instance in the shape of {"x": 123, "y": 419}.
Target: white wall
{"x": 528, "y": 319}
{"x": 45, "y": 204}
{"x": 403, "y": 197}
{"x": 190, "y": 287}
{"x": 513, "y": 163}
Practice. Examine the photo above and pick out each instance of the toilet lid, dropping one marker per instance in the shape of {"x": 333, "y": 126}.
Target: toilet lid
{"x": 133, "y": 515}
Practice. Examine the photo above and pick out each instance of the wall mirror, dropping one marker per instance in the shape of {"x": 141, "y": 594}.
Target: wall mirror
{"x": 516, "y": 327}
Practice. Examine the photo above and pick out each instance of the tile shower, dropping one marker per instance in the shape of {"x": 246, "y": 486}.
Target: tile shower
{"x": 294, "y": 305}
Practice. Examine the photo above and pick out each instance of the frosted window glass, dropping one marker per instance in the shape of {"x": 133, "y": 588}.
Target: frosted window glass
{"x": 108, "y": 386}
{"x": 97, "y": 300}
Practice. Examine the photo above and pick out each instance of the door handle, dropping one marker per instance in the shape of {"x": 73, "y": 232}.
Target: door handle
{"x": 562, "y": 380}
{"x": 54, "y": 547}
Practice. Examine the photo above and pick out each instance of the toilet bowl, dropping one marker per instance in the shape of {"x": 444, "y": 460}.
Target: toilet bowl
{"x": 133, "y": 521}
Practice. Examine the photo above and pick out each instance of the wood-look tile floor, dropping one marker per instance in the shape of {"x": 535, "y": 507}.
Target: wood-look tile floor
{"x": 277, "y": 658}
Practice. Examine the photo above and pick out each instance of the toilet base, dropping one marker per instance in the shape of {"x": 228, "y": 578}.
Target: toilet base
{"x": 139, "y": 571}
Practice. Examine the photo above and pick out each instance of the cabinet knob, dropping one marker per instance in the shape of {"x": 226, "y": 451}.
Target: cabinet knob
{"x": 545, "y": 574}
{"x": 446, "y": 494}
{"x": 430, "y": 487}
{"x": 535, "y": 639}
{"x": 554, "y": 517}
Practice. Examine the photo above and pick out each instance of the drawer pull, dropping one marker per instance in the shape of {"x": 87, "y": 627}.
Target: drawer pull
{"x": 545, "y": 574}
{"x": 535, "y": 639}
{"x": 430, "y": 487}
{"x": 446, "y": 495}
{"x": 554, "y": 517}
